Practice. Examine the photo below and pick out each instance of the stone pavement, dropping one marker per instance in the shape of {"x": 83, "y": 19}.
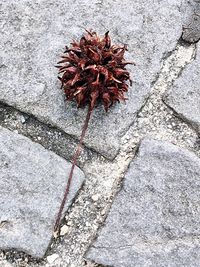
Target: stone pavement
{"x": 146, "y": 152}
{"x": 184, "y": 96}
{"x": 31, "y": 182}
{"x": 154, "y": 220}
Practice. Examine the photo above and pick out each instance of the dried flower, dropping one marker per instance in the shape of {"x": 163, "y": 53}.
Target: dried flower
{"x": 92, "y": 70}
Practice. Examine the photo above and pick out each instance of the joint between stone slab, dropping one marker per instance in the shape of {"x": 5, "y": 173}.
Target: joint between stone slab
{"x": 177, "y": 114}
{"x": 183, "y": 119}
{"x": 157, "y": 76}
{"x": 133, "y": 153}
{"x": 63, "y": 221}
{"x": 48, "y": 136}
{"x": 187, "y": 42}
{"x": 156, "y": 93}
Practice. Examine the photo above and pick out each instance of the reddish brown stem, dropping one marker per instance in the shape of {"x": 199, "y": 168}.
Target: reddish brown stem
{"x": 74, "y": 160}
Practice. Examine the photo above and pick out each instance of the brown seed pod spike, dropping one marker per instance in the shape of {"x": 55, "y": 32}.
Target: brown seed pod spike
{"x": 92, "y": 71}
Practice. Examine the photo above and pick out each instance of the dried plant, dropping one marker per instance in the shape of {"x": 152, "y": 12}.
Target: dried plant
{"x": 92, "y": 71}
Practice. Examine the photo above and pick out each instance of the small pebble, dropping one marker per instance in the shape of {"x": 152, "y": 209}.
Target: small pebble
{"x": 95, "y": 197}
{"x": 23, "y": 119}
{"x": 64, "y": 229}
{"x": 87, "y": 224}
{"x": 95, "y": 227}
{"x": 52, "y": 258}
{"x": 103, "y": 212}
{"x": 69, "y": 223}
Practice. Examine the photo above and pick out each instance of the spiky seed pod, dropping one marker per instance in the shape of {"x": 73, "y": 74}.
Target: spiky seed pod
{"x": 93, "y": 70}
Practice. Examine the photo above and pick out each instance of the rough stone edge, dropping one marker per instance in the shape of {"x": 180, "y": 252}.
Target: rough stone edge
{"x": 179, "y": 115}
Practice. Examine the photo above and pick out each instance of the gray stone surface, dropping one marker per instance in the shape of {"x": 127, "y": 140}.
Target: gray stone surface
{"x": 34, "y": 34}
{"x": 4, "y": 263}
{"x": 32, "y": 182}
{"x": 184, "y": 96}
{"x": 155, "y": 218}
{"x": 191, "y": 26}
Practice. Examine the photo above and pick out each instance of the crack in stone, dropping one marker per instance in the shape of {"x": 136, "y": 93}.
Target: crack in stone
{"x": 143, "y": 245}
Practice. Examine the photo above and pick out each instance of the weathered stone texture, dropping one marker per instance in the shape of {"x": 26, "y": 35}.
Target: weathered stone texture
{"x": 4, "y": 263}
{"x": 184, "y": 96}
{"x": 32, "y": 182}
{"x": 191, "y": 25}
{"x": 34, "y": 34}
{"x": 154, "y": 220}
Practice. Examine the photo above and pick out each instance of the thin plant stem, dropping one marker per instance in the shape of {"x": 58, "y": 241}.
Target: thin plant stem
{"x": 74, "y": 160}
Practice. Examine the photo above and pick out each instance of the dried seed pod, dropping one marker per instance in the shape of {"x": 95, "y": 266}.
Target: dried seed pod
{"x": 95, "y": 65}
{"x": 92, "y": 70}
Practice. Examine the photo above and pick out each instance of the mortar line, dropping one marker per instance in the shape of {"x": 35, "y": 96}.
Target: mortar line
{"x": 42, "y": 129}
